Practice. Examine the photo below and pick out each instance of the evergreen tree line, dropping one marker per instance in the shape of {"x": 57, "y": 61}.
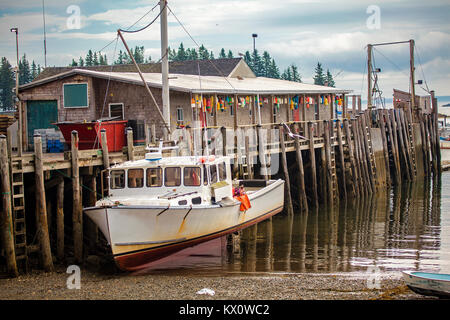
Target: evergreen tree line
{"x": 93, "y": 58}
{"x": 262, "y": 65}
{"x": 27, "y": 73}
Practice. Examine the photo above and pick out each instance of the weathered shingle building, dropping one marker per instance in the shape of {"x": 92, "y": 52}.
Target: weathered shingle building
{"x": 226, "y": 89}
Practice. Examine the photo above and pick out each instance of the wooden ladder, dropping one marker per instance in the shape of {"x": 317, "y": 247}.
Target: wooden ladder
{"x": 412, "y": 149}
{"x": 373, "y": 168}
{"x": 18, "y": 194}
{"x": 334, "y": 180}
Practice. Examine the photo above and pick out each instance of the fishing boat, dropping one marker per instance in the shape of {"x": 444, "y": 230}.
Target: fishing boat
{"x": 434, "y": 284}
{"x": 160, "y": 205}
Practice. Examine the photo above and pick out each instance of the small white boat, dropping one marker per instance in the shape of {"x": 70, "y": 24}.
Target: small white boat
{"x": 158, "y": 206}
{"x": 433, "y": 284}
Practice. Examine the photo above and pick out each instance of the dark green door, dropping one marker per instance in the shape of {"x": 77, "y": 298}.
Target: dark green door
{"x": 40, "y": 115}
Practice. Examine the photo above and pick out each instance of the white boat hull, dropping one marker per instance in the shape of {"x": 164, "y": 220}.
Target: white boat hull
{"x": 141, "y": 234}
{"x": 435, "y": 284}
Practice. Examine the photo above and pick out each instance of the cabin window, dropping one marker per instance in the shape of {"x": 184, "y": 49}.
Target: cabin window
{"x": 192, "y": 176}
{"x": 222, "y": 171}
{"x": 135, "y": 178}
{"x": 180, "y": 117}
{"x": 213, "y": 174}
{"x": 116, "y": 110}
{"x": 117, "y": 179}
{"x": 172, "y": 176}
{"x": 75, "y": 95}
{"x": 154, "y": 177}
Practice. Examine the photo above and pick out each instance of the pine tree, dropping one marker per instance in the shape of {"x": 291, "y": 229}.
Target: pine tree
{"x": 81, "y": 62}
{"x": 329, "y": 80}
{"x": 34, "y": 71}
{"x": 89, "y": 60}
{"x": 172, "y": 54}
{"x": 257, "y": 63}
{"x": 230, "y": 54}
{"x": 138, "y": 54}
{"x": 222, "y": 54}
{"x": 266, "y": 62}
{"x": 203, "y": 53}
{"x": 73, "y": 64}
{"x": 7, "y": 84}
{"x": 248, "y": 59}
{"x": 95, "y": 59}
{"x": 24, "y": 70}
{"x": 211, "y": 56}
{"x": 319, "y": 77}
{"x": 295, "y": 75}
{"x": 274, "y": 72}
{"x": 287, "y": 75}
{"x": 181, "y": 54}
{"x": 192, "y": 54}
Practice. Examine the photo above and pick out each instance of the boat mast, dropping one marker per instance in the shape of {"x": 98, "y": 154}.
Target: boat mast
{"x": 165, "y": 66}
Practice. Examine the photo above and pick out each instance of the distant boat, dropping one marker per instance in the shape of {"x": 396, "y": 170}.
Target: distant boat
{"x": 430, "y": 284}
{"x": 446, "y": 105}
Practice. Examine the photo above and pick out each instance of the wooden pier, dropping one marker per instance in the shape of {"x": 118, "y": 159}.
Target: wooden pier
{"x": 323, "y": 163}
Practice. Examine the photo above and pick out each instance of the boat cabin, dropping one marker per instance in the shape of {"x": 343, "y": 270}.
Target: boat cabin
{"x": 179, "y": 180}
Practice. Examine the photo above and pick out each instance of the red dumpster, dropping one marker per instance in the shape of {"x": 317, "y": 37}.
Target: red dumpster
{"x": 89, "y": 134}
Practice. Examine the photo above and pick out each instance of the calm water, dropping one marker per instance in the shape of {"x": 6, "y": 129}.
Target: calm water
{"x": 407, "y": 228}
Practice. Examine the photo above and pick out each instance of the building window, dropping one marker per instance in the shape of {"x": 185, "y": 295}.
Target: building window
{"x": 154, "y": 177}
{"x": 180, "y": 117}
{"x": 116, "y": 110}
{"x": 135, "y": 178}
{"x": 75, "y": 95}
{"x": 222, "y": 171}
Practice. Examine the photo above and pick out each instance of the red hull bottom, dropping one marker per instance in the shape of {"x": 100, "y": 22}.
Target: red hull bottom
{"x": 137, "y": 260}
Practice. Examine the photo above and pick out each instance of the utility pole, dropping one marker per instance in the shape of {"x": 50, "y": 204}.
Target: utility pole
{"x": 254, "y": 35}
{"x": 19, "y": 105}
{"x": 369, "y": 76}
{"x": 165, "y": 67}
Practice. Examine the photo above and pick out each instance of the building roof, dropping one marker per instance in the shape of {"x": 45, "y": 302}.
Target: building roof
{"x": 201, "y": 84}
{"x": 216, "y": 67}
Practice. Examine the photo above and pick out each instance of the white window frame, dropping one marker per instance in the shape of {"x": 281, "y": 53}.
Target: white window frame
{"x": 87, "y": 95}
{"x": 180, "y": 121}
{"x": 116, "y": 103}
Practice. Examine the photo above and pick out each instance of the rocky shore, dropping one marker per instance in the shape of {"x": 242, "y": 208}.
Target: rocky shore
{"x": 101, "y": 285}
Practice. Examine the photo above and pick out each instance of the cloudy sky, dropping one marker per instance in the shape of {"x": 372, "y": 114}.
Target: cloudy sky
{"x": 303, "y": 32}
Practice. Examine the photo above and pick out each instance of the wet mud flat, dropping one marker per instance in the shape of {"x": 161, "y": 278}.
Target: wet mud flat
{"x": 275, "y": 286}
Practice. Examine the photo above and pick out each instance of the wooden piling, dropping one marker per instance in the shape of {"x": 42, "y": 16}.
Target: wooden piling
{"x": 328, "y": 166}
{"x": 395, "y": 142}
{"x": 77, "y": 213}
{"x": 60, "y": 220}
{"x": 262, "y": 153}
{"x": 401, "y": 144}
{"x": 287, "y": 184}
{"x": 248, "y": 157}
{"x": 341, "y": 158}
{"x": 395, "y": 159}
{"x": 130, "y": 146}
{"x": 382, "y": 124}
{"x": 351, "y": 154}
{"x": 301, "y": 174}
{"x": 105, "y": 152}
{"x": 364, "y": 137}
{"x": 315, "y": 196}
{"x": 6, "y": 223}
{"x": 41, "y": 207}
